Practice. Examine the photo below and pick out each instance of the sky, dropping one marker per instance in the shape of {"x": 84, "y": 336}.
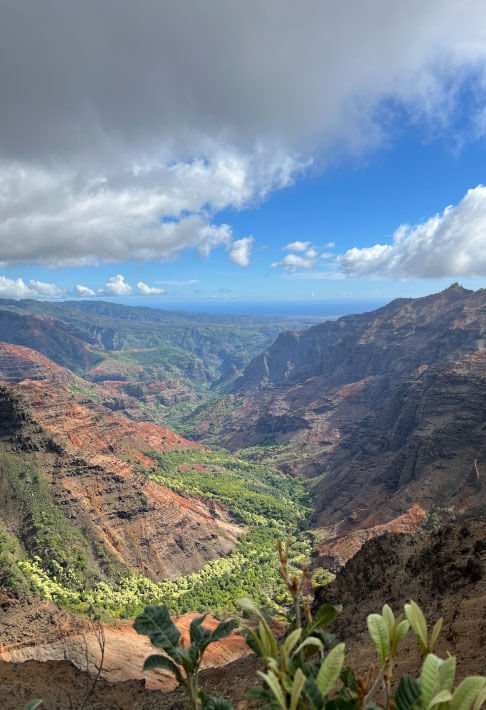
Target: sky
{"x": 159, "y": 153}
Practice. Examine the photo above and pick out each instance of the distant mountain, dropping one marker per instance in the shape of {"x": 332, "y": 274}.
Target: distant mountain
{"x": 108, "y": 342}
{"x": 383, "y": 411}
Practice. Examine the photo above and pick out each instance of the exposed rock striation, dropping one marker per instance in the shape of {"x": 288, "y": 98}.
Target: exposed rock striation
{"x": 383, "y": 411}
{"x": 82, "y": 454}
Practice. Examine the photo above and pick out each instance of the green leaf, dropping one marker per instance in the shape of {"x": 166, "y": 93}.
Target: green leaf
{"x": 249, "y": 606}
{"x": 186, "y": 659}
{"x": 223, "y": 630}
{"x": 33, "y": 704}
{"x": 155, "y": 622}
{"x": 389, "y": 618}
{"x": 408, "y": 693}
{"x": 348, "y": 678}
{"x": 467, "y": 691}
{"x": 290, "y": 641}
{"x": 326, "y": 638}
{"x": 447, "y": 673}
{"x": 400, "y": 632}
{"x": 272, "y": 681}
{"x": 197, "y": 633}
{"x": 158, "y": 661}
{"x": 254, "y": 642}
{"x": 378, "y": 629}
{"x": 211, "y": 703}
{"x": 311, "y": 641}
{"x": 313, "y": 693}
{"x": 330, "y": 669}
{"x": 480, "y": 700}
{"x": 417, "y": 621}
{"x": 297, "y": 687}
{"x": 429, "y": 678}
{"x": 444, "y": 696}
{"x": 267, "y": 639}
{"x": 324, "y": 615}
{"x": 435, "y": 633}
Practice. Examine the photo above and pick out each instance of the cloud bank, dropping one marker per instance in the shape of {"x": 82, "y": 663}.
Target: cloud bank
{"x": 17, "y": 288}
{"x": 449, "y": 244}
{"x": 126, "y": 127}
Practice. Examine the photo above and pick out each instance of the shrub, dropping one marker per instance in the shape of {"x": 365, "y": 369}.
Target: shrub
{"x": 307, "y": 670}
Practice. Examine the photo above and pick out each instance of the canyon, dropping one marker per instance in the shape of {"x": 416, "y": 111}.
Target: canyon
{"x": 121, "y": 430}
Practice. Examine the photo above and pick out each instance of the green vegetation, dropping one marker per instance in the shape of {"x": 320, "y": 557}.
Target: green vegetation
{"x": 254, "y": 494}
{"x": 43, "y": 543}
{"x": 196, "y": 422}
{"x": 85, "y": 389}
{"x": 199, "y": 347}
{"x": 64, "y": 550}
{"x": 10, "y": 555}
{"x": 307, "y": 671}
{"x": 184, "y": 663}
{"x": 59, "y": 565}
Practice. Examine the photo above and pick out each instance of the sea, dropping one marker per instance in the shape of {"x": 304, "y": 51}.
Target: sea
{"x": 276, "y": 307}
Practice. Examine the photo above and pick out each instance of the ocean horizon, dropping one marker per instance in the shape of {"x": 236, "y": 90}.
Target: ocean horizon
{"x": 275, "y": 307}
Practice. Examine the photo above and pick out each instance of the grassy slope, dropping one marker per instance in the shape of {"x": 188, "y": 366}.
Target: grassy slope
{"x": 269, "y": 504}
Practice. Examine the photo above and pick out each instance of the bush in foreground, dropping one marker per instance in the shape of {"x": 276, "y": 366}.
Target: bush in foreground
{"x": 307, "y": 670}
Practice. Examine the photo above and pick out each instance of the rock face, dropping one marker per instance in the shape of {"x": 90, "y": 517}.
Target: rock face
{"x": 384, "y": 411}
{"x": 81, "y": 453}
{"x": 444, "y": 572}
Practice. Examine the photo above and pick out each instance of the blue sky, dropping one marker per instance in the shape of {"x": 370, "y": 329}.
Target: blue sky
{"x": 201, "y": 156}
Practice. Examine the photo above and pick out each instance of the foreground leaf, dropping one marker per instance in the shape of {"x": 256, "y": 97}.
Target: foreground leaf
{"x": 324, "y": 615}
{"x": 155, "y": 622}
{"x": 408, "y": 693}
{"x": 466, "y": 693}
{"x": 378, "y": 628}
{"x": 330, "y": 669}
{"x": 211, "y": 703}
{"x": 158, "y": 661}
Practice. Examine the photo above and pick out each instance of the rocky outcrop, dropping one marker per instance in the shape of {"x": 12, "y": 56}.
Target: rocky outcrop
{"x": 423, "y": 450}
{"x": 383, "y": 412}
{"x": 82, "y": 453}
{"x": 395, "y": 339}
{"x": 444, "y": 572}
{"x": 19, "y": 363}
{"x": 59, "y": 341}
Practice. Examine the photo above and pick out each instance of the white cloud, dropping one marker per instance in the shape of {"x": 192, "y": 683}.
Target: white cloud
{"x": 51, "y": 219}
{"x": 330, "y": 245}
{"x": 451, "y": 244}
{"x": 131, "y": 156}
{"x": 239, "y": 251}
{"x": 146, "y": 290}
{"x": 295, "y": 262}
{"x": 297, "y": 246}
{"x": 83, "y": 290}
{"x": 17, "y": 288}
{"x": 116, "y": 286}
